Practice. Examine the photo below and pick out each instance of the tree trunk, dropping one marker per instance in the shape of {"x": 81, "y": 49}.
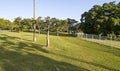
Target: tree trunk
{"x": 47, "y": 38}
{"x": 34, "y": 33}
{"x": 57, "y": 33}
{"x": 39, "y": 29}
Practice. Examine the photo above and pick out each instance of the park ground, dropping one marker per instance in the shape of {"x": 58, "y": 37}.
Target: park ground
{"x": 19, "y": 53}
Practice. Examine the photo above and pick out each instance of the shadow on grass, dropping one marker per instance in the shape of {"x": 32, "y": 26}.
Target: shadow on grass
{"x": 20, "y": 56}
{"x": 17, "y": 44}
{"x": 90, "y": 63}
{"x": 13, "y": 61}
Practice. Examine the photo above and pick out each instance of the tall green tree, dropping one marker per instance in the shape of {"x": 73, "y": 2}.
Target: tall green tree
{"x": 27, "y": 24}
{"x": 71, "y": 23}
{"x": 39, "y": 23}
{"x": 17, "y": 21}
{"x": 102, "y": 20}
{"x": 4, "y": 24}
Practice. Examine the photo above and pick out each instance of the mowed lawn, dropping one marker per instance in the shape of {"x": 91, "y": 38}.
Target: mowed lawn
{"x": 19, "y": 53}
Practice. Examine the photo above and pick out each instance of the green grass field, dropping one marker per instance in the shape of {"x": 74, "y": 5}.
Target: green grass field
{"x": 19, "y": 53}
{"x": 111, "y": 43}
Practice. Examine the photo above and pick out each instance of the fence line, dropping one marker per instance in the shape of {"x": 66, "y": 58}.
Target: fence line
{"x": 99, "y": 39}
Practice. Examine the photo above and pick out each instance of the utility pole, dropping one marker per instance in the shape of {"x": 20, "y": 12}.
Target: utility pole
{"x": 34, "y": 19}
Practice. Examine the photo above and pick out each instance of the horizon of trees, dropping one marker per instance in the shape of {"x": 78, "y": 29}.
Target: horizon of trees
{"x": 46, "y": 25}
{"x": 26, "y": 24}
{"x": 103, "y": 20}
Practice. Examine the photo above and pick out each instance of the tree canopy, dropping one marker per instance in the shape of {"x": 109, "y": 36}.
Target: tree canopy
{"x": 26, "y": 24}
{"x": 102, "y": 20}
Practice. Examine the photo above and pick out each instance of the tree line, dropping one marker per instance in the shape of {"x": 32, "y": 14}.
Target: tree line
{"x": 26, "y": 24}
{"x": 102, "y": 20}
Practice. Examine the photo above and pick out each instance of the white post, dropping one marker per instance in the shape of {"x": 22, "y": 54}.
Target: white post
{"x": 34, "y": 18}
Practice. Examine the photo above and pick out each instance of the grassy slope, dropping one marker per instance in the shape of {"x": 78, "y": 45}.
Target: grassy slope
{"x": 18, "y": 53}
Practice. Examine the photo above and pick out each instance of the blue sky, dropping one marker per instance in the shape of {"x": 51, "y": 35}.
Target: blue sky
{"x": 62, "y": 9}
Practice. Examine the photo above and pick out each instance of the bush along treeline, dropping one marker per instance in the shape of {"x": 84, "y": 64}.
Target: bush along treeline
{"x": 102, "y": 20}
{"x": 26, "y": 24}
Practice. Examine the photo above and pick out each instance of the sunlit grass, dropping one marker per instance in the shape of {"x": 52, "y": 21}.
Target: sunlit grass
{"x": 111, "y": 43}
{"x": 19, "y": 53}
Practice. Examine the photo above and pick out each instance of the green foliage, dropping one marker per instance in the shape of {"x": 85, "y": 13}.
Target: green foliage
{"x": 26, "y": 24}
{"x": 39, "y": 23}
{"x": 71, "y": 26}
{"x": 4, "y": 24}
{"x": 103, "y": 19}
